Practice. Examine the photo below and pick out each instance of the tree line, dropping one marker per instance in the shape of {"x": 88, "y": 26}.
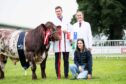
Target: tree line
{"x": 105, "y": 16}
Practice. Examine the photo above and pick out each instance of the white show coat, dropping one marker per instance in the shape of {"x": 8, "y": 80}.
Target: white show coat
{"x": 83, "y": 32}
{"x": 62, "y": 47}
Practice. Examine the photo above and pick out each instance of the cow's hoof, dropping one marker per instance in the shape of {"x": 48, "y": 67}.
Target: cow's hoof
{"x": 44, "y": 76}
{"x": 1, "y": 78}
{"x": 1, "y": 75}
{"x": 34, "y": 77}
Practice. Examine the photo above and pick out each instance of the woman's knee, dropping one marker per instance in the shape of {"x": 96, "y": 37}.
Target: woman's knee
{"x": 72, "y": 66}
{"x": 83, "y": 75}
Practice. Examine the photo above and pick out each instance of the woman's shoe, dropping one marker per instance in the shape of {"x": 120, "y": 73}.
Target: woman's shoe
{"x": 73, "y": 78}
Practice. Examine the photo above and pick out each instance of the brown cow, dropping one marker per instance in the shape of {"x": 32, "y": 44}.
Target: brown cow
{"x": 35, "y": 46}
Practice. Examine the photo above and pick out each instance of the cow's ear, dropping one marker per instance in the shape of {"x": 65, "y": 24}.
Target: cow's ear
{"x": 43, "y": 26}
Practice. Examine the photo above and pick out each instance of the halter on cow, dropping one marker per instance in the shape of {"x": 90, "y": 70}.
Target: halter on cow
{"x": 36, "y": 45}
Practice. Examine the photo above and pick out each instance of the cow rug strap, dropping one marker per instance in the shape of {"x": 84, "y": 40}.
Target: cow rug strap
{"x": 20, "y": 48}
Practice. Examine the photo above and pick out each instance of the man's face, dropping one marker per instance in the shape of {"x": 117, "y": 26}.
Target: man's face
{"x": 79, "y": 16}
{"x": 58, "y": 12}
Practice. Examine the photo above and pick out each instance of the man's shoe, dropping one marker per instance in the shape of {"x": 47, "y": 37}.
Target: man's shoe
{"x": 66, "y": 77}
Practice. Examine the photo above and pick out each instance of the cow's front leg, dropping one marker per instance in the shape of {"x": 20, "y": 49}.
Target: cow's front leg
{"x": 33, "y": 68}
{"x": 3, "y": 60}
{"x": 43, "y": 66}
{"x": 33, "y": 65}
{"x": 1, "y": 73}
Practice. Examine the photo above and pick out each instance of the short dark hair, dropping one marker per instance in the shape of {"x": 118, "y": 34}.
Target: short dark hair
{"x": 58, "y": 7}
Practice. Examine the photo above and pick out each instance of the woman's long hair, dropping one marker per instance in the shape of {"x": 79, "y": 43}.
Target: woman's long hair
{"x": 77, "y": 49}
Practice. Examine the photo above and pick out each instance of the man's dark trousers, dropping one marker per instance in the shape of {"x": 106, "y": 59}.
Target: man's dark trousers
{"x": 58, "y": 62}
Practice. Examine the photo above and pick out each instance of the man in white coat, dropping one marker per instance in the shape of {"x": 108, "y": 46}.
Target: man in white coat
{"x": 63, "y": 45}
{"x": 82, "y": 29}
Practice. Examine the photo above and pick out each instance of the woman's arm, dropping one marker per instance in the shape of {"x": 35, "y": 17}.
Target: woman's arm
{"x": 75, "y": 59}
{"x": 89, "y": 63}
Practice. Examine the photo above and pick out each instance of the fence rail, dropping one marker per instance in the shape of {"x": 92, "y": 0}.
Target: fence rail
{"x": 109, "y": 47}
{"x": 105, "y": 48}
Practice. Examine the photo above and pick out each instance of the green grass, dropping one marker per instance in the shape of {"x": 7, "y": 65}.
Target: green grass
{"x": 105, "y": 71}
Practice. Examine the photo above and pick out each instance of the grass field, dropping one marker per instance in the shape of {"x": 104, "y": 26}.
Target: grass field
{"x": 105, "y": 71}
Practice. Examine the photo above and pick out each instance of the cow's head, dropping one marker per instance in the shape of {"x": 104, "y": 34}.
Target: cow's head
{"x": 53, "y": 31}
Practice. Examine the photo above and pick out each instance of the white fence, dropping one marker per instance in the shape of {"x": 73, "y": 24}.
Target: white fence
{"x": 109, "y": 47}
{"x": 105, "y": 48}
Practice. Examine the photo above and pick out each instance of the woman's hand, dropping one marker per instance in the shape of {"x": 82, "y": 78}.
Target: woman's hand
{"x": 80, "y": 69}
{"x": 89, "y": 76}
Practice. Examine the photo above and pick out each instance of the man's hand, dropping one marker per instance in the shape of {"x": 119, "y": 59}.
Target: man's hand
{"x": 65, "y": 31}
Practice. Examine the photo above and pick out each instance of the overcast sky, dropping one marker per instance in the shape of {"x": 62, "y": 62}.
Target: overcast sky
{"x": 31, "y": 13}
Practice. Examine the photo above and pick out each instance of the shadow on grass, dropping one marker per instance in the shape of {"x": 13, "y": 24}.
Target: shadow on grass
{"x": 95, "y": 78}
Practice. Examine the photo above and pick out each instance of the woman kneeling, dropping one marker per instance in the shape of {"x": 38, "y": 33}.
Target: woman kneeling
{"x": 82, "y": 67}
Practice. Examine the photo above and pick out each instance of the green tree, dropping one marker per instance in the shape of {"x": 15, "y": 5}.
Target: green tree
{"x": 105, "y": 16}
